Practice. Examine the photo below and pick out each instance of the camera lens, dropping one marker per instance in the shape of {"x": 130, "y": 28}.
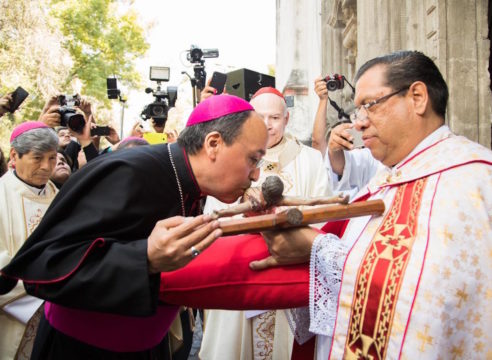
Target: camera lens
{"x": 157, "y": 110}
{"x": 76, "y": 122}
{"x": 332, "y": 85}
{"x": 196, "y": 54}
{"x": 70, "y": 118}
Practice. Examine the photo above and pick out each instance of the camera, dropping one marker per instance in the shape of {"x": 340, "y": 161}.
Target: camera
{"x": 68, "y": 115}
{"x": 335, "y": 82}
{"x": 195, "y": 54}
{"x": 164, "y": 98}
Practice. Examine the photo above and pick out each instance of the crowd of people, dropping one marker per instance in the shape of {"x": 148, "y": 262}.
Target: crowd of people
{"x": 92, "y": 238}
{"x": 43, "y": 155}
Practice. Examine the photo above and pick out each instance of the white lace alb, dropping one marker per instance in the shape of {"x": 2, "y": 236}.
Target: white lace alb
{"x": 327, "y": 258}
{"x": 328, "y": 255}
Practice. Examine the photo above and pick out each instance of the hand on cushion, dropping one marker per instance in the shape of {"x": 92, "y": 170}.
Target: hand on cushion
{"x": 287, "y": 247}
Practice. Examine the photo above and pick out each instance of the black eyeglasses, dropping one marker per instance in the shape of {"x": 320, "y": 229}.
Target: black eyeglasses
{"x": 356, "y": 115}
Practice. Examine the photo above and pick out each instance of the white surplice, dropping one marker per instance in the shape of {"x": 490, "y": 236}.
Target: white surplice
{"x": 22, "y": 209}
{"x": 360, "y": 166}
{"x": 238, "y": 334}
{"x": 417, "y": 288}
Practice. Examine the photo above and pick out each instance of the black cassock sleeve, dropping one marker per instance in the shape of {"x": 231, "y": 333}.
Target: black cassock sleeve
{"x": 113, "y": 278}
{"x": 90, "y": 249}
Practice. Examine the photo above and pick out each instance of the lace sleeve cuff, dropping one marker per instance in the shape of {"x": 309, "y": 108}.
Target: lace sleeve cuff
{"x": 327, "y": 258}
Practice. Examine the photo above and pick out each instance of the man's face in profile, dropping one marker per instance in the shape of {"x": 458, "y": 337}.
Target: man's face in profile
{"x": 235, "y": 166}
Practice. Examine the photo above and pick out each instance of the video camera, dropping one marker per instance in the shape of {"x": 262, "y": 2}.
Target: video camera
{"x": 164, "y": 99}
{"x": 195, "y": 56}
{"x": 68, "y": 114}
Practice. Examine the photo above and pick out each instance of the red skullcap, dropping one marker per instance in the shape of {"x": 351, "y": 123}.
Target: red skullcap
{"x": 268, "y": 90}
{"x": 217, "y": 106}
{"x": 25, "y": 127}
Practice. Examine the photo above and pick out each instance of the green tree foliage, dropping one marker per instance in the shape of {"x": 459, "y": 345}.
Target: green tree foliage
{"x": 46, "y": 44}
{"x": 31, "y": 56}
{"x": 101, "y": 41}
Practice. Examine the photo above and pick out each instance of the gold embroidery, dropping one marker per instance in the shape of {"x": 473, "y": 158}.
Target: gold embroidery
{"x": 462, "y": 295}
{"x": 479, "y": 346}
{"x": 446, "y": 236}
{"x": 263, "y": 331}
{"x": 424, "y": 338}
{"x": 381, "y": 274}
{"x": 457, "y": 350}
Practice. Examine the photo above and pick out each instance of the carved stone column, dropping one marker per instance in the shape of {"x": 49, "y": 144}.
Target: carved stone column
{"x": 299, "y": 60}
{"x": 453, "y": 33}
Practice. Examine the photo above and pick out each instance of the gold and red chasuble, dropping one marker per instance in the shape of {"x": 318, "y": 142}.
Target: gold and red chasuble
{"x": 380, "y": 276}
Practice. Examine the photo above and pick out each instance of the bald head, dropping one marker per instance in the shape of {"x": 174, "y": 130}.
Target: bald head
{"x": 273, "y": 110}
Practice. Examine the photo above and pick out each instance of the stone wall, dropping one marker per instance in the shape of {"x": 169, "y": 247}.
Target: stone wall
{"x": 453, "y": 33}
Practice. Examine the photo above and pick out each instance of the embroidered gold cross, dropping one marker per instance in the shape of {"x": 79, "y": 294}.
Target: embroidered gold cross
{"x": 462, "y": 295}
{"x": 424, "y": 338}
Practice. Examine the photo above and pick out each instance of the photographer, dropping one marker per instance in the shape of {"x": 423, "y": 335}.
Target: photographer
{"x": 52, "y": 116}
{"x": 164, "y": 100}
{"x": 348, "y": 169}
{"x": 64, "y": 136}
{"x": 158, "y": 126}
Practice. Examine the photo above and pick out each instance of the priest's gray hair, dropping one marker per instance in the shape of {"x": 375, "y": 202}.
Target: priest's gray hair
{"x": 39, "y": 141}
{"x": 228, "y": 126}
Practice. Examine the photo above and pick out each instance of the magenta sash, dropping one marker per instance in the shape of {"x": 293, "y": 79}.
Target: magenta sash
{"x": 109, "y": 331}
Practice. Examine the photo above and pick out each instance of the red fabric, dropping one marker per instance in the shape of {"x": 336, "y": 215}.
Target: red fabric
{"x": 220, "y": 278}
{"x": 335, "y": 227}
{"x": 304, "y": 351}
{"x": 268, "y": 90}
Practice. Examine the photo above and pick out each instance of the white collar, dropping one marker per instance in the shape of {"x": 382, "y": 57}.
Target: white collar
{"x": 35, "y": 190}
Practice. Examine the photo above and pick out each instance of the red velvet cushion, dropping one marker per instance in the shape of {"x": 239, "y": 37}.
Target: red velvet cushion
{"x": 220, "y": 278}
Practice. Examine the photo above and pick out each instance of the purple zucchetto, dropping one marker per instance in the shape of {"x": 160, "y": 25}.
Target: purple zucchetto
{"x": 217, "y": 106}
{"x": 134, "y": 138}
{"x": 25, "y": 127}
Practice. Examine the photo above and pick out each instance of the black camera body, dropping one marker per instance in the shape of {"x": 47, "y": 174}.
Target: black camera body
{"x": 18, "y": 96}
{"x": 195, "y": 54}
{"x": 68, "y": 115}
{"x": 164, "y": 100}
{"x": 335, "y": 82}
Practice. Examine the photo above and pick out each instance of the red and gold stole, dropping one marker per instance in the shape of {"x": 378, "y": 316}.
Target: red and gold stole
{"x": 380, "y": 276}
